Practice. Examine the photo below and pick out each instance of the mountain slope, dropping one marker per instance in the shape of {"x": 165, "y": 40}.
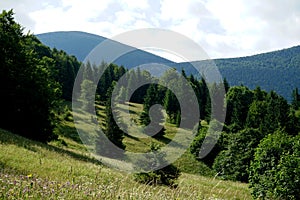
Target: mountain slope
{"x": 277, "y": 70}
{"x": 74, "y": 43}
{"x": 80, "y": 44}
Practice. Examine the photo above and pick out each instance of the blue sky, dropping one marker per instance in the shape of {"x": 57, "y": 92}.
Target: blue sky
{"x": 222, "y": 28}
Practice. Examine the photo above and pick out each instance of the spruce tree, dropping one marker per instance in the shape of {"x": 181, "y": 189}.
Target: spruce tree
{"x": 295, "y": 99}
{"x": 112, "y": 132}
{"x": 204, "y": 99}
{"x": 277, "y": 112}
{"x": 171, "y": 105}
{"x": 226, "y": 85}
{"x": 87, "y": 95}
{"x": 149, "y": 100}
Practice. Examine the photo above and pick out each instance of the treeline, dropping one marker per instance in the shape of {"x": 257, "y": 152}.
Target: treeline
{"x": 130, "y": 87}
{"x": 33, "y": 81}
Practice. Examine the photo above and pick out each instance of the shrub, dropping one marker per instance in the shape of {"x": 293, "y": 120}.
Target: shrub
{"x": 164, "y": 176}
{"x": 234, "y": 162}
{"x": 275, "y": 173}
{"x": 201, "y": 134}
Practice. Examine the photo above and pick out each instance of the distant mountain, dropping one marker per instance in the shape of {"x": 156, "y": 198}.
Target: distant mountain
{"x": 80, "y": 44}
{"x": 277, "y": 70}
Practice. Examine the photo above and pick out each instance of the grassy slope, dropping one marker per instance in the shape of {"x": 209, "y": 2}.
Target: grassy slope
{"x": 36, "y": 171}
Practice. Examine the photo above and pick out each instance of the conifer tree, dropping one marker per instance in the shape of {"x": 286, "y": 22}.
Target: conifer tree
{"x": 204, "y": 99}
{"x": 277, "y": 112}
{"x": 87, "y": 95}
{"x": 171, "y": 105}
{"x": 149, "y": 100}
{"x": 226, "y": 85}
{"x": 295, "y": 99}
{"x": 112, "y": 132}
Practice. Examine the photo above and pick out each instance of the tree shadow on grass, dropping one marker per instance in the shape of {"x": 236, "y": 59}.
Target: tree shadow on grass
{"x": 130, "y": 104}
{"x": 132, "y": 137}
{"x": 125, "y": 110}
{"x": 10, "y": 138}
{"x": 69, "y": 132}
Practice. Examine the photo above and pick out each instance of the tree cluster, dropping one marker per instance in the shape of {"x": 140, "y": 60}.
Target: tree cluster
{"x": 33, "y": 80}
{"x": 246, "y": 149}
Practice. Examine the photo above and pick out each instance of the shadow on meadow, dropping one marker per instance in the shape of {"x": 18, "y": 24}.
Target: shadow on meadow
{"x": 9, "y": 138}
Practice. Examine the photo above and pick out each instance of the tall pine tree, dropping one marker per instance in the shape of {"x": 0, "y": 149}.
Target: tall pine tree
{"x": 112, "y": 132}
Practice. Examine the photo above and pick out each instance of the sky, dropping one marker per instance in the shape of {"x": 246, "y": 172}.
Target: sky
{"x": 223, "y": 28}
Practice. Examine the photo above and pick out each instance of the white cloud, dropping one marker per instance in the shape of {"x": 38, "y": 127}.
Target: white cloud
{"x": 21, "y": 9}
{"x": 70, "y": 15}
{"x": 135, "y": 4}
{"x": 222, "y": 28}
{"x": 106, "y": 18}
{"x": 257, "y": 26}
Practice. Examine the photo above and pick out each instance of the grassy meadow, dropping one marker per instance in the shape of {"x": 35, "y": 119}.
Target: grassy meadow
{"x": 64, "y": 169}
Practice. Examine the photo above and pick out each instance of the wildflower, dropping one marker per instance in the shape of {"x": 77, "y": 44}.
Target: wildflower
{"x": 29, "y": 176}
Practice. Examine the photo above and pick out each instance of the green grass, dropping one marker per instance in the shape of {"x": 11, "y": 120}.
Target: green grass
{"x": 186, "y": 163}
{"x": 32, "y": 170}
{"x": 297, "y": 114}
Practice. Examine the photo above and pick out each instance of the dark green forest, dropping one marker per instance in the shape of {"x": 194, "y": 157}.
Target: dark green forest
{"x": 259, "y": 144}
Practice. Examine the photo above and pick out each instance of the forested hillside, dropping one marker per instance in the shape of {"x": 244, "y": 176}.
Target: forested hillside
{"x": 276, "y": 70}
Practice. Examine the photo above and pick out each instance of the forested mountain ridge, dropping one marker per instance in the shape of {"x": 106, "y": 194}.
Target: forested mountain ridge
{"x": 277, "y": 70}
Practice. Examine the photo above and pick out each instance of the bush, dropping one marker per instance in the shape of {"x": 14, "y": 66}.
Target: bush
{"x": 275, "y": 173}
{"x": 197, "y": 144}
{"x": 234, "y": 162}
{"x": 164, "y": 176}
